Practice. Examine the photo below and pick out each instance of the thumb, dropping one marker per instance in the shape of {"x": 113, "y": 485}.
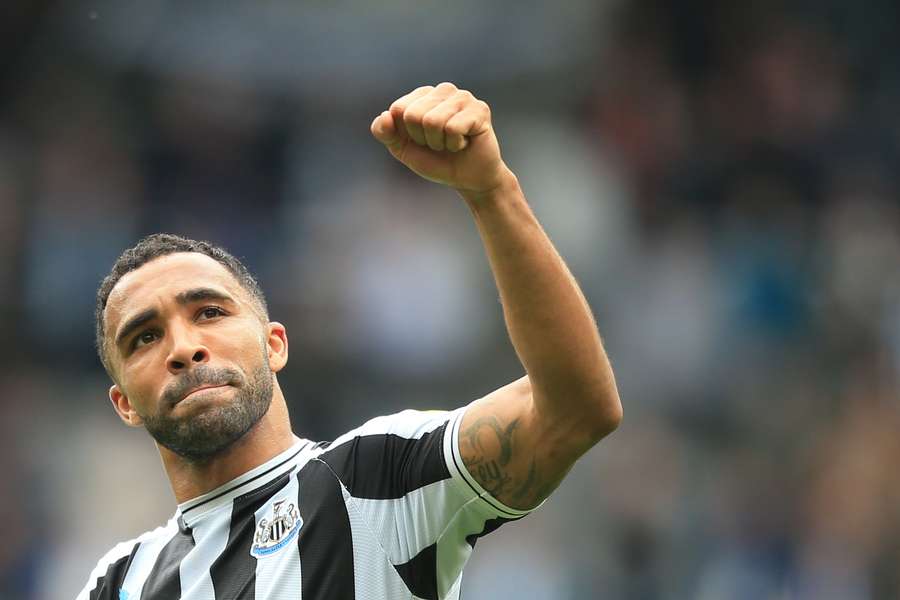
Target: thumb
{"x": 385, "y": 131}
{"x": 420, "y": 159}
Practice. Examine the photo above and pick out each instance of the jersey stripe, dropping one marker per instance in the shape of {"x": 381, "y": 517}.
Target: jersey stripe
{"x": 420, "y": 573}
{"x": 409, "y": 424}
{"x": 325, "y": 542}
{"x": 234, "y": 571}
{"x": 108, "y": 585}
{"x": 406, "y": 526}
{"x": 374, "y": 574}
{"x": 278, "y": 577}
{"x": 489, "y": 527}
{"x": 163, "y": 579}
{"x": 211, "y": 535}
{"x": 388, "y": 466}
{"x": 145, "y": 558}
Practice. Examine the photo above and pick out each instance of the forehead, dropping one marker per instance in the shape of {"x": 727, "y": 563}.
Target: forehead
{"x": 162, "y": 279}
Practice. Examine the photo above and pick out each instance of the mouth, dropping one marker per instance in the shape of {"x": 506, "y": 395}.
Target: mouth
{"x": 198, "y": 390}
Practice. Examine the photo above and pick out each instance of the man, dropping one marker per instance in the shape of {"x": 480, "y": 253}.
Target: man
{"x": 390, "y": 510}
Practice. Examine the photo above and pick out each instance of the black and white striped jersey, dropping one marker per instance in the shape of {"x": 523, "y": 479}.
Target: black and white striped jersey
{"x": 386, "y": 511}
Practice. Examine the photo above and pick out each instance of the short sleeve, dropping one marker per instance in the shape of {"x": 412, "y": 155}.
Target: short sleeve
{"x": 404, "y": 476}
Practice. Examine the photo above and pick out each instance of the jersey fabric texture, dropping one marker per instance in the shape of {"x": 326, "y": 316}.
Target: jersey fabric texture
{"x": 386, "y": 511}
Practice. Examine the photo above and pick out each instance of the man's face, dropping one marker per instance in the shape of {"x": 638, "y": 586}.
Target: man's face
{"x": 191, "y": 352}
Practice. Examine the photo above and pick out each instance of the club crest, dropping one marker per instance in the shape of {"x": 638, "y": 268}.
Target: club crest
{"x": 273, "y": 535}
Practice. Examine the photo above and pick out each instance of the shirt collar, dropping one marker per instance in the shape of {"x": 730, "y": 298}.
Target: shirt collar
{"x": 192, "y": 510}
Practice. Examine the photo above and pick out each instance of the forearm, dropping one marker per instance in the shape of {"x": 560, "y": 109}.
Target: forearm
{"x": 519, "y": 441}
{"x": 548, "y": 319}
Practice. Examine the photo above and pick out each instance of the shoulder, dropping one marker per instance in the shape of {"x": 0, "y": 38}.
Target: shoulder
{"x": 125, "y": 548}
{"x": 408, "y": 424}
{"x": 390, "y": 455}
{"x": 118, "y": 557}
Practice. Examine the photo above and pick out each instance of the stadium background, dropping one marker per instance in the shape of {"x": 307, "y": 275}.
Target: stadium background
{"x": 721, "y": 176}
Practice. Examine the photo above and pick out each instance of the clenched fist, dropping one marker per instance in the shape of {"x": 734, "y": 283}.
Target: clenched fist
{"x": 445, "y": 135}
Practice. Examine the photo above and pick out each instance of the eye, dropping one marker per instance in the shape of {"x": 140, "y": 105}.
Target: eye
{"x": 147, "y": 337}
{"x": 210, "y": 312}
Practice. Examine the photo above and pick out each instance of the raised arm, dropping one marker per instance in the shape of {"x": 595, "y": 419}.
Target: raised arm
{"x": 520, "y": 440}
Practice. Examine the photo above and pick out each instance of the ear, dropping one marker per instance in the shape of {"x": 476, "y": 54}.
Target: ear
{"x": 123, "y": 407}
{"x": 277, "y": 346}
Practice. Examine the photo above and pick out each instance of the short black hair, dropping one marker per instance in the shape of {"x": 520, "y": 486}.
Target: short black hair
{"x": 161, "y": 244}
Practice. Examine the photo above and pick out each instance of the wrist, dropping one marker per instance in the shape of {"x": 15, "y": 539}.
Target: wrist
{"x": 506, "y": 183}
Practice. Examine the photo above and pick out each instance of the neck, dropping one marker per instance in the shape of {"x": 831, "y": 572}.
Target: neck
{"x": 270, "y": 437}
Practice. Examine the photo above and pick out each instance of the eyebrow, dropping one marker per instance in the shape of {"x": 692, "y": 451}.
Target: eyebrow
{"x": 183, "y": 298}
{"x": 135, "y": 322}
{"x": 200, "y": 294}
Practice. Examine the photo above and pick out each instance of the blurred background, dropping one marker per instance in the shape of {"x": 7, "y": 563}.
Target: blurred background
{"x": 722, "y": 178}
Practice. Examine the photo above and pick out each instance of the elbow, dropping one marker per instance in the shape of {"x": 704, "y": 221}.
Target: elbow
{"x": 602, "y": 412}
{"x": 599, "y": 396}
{"x": 607, "y": 416}
{"x": 603, "y": 416}
{"x": 579, "y": 414}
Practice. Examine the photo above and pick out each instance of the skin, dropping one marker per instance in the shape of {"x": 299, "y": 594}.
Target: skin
{"x": 521, "y": 440}
{"x": 183, "y": 337}
{"x": 518, "y": 442}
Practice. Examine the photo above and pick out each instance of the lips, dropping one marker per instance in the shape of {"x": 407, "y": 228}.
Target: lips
{"x": 200, "y": 389}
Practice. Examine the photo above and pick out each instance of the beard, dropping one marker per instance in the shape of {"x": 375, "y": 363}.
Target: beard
{"x": 201, "y": 436}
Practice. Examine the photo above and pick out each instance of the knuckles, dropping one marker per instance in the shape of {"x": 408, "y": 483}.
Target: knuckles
{"x": 412, "y": 117}
{"x": 432, "y": 121}
{"x": 412, "y": 110}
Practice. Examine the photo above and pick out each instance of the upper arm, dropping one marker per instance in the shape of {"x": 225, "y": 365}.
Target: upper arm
{"x": 403, "y": 480}
{"x": 514, "y": 452}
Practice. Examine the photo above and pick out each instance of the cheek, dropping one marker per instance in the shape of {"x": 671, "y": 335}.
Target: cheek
{"x": 244, "y": 338}
{"x": 143, "y": 382}
{"x": 244, "y": 348}
{"x": 136, "y": 388}
{"x": 143, "y": 375}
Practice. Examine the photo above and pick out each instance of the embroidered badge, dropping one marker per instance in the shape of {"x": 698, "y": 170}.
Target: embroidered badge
{"x": 272, "y": 536}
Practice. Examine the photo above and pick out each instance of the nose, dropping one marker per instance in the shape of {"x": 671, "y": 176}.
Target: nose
{"x": 186, "y": 350}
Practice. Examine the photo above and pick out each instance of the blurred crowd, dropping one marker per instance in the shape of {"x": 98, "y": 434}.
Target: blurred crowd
{"x": 722, "y": 178}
